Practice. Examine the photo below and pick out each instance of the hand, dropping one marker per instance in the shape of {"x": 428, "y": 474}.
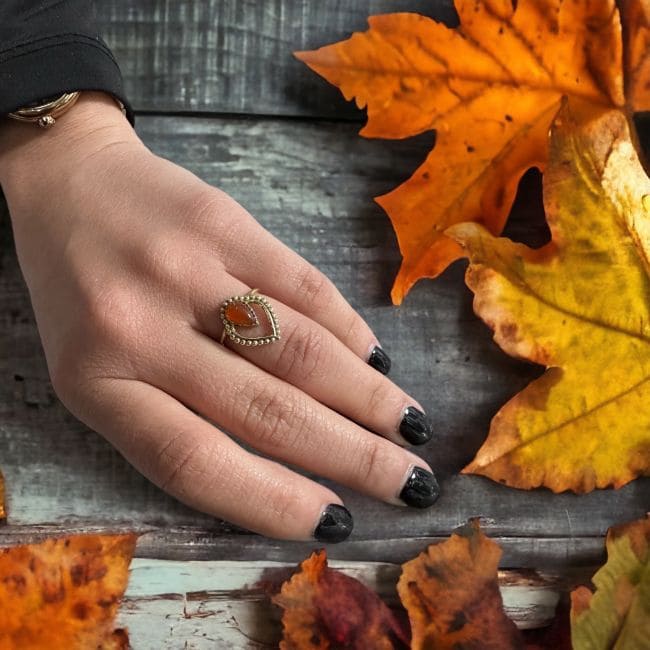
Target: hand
{"x": 128, "y": 258}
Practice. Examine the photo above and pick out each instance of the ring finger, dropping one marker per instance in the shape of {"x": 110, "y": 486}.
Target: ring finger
{"x": 310, "y": 357}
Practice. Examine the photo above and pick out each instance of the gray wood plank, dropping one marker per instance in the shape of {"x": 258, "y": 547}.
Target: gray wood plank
{"x": 236, "y": 55}
{"x": 311, "y": 185}
{"x": 200, "y": 543}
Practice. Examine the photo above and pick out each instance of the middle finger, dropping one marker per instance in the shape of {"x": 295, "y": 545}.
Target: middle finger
{"x": 311, "y": 358}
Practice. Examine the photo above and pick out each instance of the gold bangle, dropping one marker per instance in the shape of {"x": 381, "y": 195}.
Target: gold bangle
{"x": 44, "y": 114}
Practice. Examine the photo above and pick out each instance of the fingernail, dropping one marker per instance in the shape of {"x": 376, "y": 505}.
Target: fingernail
{"x": 415, "y": 426}
{"x": 379, "y": 360}
{"x": 421, "y": 489}
{"x": 335, "y": 524}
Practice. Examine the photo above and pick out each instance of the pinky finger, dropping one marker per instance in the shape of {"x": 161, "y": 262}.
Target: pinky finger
{"x": 201, "y": 466}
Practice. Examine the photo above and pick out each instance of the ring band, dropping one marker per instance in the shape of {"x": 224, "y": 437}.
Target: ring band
{"x": 250, "y": 310}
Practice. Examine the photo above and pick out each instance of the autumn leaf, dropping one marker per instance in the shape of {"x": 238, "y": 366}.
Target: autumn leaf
{"x": 452, "y": 595}
{"x": 490, "y": 88}
{"x": 63, "y": 594}
{"x": 617, "y": 615}
{"x": 324, "y": 608}
{"x": 580, "y": 306}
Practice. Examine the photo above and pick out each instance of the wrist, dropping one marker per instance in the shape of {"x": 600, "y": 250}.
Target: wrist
{"x": 32, "y": 158}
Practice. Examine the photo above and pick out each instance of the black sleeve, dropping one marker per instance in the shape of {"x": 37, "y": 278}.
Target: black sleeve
{"x": 49, "y": 47}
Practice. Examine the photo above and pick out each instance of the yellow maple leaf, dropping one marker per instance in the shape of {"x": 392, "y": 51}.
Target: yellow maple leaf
{"x": 490, "y": 88}
{"x": 580, "y": 306}
{"x": 617, "y": 615}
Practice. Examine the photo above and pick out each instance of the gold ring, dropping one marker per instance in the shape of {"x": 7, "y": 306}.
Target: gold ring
{"x": 249, "y": 311}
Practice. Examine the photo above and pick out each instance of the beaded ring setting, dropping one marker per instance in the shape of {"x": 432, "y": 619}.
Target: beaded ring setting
{"x": 251, "y": 310}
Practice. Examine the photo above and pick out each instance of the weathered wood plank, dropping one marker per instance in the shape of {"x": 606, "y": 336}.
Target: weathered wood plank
{"x": 311, "y": 185}
{"x": 171, "y": 542}
{"x": 226, "y": 604}
{"x": 236, "y": 55}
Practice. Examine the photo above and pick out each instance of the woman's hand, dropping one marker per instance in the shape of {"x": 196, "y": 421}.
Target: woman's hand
{"x": 128, "y": 258}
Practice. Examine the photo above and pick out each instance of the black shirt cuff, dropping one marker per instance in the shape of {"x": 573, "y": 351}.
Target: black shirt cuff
{"x": 54, "y": 65}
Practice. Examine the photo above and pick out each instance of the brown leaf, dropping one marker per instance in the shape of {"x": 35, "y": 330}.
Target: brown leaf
{"x": 452, "y": 595}
{"x": 324, "y": 608}
{"x": 63, "y": 594}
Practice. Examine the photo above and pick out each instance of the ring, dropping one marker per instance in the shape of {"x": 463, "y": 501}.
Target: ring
{"x": 249, "y": 311}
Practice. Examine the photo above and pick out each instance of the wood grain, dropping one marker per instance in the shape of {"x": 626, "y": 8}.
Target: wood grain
{"x": 311, "y": 185}
{"x": 235, "y": 56}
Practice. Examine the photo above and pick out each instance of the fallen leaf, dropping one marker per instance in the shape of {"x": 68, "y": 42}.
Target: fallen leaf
{"x": 580, "y": 306}
{"x": 63, "y": 594}
{"x": 490, "y": 88}
{"x": 452, "y": 595}
{"x": 324, "y": 608}
{"x": 617, "y": 615}
{"x": 635, "y": 15}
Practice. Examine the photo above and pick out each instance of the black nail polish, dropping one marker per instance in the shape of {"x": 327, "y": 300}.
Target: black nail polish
{"x": 421, "y": 489}
{"x": 335, "y": 524}
{"x": 415, "y": 426}
{"x": 379, "y": 360}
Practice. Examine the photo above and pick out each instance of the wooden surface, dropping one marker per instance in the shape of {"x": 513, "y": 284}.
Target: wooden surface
{"x": 233, "y": 106}
{"x": 207, "y": 605}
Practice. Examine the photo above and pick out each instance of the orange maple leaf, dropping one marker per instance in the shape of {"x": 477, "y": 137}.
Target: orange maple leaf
{"x": 324, "y": 608}
{"x": 490, "y": 88}
{"x": 63, "y": 594}
{"x": 452, "y": 595}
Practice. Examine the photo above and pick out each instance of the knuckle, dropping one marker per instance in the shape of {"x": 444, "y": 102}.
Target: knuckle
{"x": 275, "y": 421}
{"x": 313, "y": 288}
{"x": 286, "y": 504}
{"x": 159, "y": 256}
{"x": 180, "y": 464}
{"x": 304, "y": 356}
{"x": 379, "y": 400}
{"x": 373, "y": 463}
{"x": 355, "y": 328}
{"x": 112, "y": 313}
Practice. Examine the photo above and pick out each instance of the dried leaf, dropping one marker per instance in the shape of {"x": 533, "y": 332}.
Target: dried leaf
{"x": 636, "y": 23}
{"x": 63, "y": 594}
{"x": 617, "y": 615}
{"x": 490, "y": 89}
{"x": 580, "y": 306}
{"x": 452, "y": 595}
{"x": 324, "y": 608}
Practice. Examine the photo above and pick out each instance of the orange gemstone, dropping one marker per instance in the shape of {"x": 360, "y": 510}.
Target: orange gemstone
{"x": 239, "y": 313}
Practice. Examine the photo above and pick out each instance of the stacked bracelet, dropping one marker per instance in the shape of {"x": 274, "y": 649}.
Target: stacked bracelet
{"x": 44, "y": 114}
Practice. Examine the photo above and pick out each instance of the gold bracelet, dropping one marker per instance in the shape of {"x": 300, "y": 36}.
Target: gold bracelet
{"x": 44, "y": 114}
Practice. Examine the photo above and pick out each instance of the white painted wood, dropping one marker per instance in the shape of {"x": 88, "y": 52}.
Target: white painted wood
{"x": 209, "y": 604}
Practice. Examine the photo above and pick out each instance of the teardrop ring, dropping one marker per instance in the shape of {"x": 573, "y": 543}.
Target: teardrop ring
{"x": 251, "y": 310}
